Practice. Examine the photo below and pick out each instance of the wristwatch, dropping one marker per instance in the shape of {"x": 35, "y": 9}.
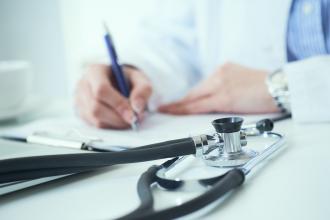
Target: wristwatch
{"x": 277, "y": 84}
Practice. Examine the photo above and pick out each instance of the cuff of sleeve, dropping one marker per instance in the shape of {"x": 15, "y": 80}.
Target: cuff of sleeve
{"x": 309, "y": 84}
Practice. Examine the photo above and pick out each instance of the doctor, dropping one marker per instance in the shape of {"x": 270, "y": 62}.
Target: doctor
{"x": 202, "y": 56}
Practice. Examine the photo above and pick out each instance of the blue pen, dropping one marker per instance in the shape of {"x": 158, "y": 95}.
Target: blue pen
{"x": 123, "y": 86}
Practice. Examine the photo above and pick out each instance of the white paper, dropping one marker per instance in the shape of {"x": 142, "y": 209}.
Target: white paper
{"x": 155, "y": 128}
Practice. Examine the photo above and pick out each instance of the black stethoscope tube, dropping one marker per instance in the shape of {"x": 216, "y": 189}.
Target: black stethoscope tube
{"x": 26, "y": 168}
{"x": 145, "y": 194}
{"x": 282, "y": 117}
{"x": 229, "y": 181}
{"x": 223, "y": 184}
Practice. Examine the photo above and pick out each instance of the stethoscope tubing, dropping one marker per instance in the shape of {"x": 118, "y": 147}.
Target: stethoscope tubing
{"x": 228, "y": 181}
{"x": 27, "y": 168}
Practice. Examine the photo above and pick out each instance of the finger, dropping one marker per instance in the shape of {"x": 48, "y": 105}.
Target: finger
{"x": 141, "y": 90}
{"x": 181, "y": 102}
{"x": 93, "y": 118}
{"x": 172, "y": 105}
{"x": 199, "y": 106}
{"x": 96, "y": 113}
{"x": 103, "y": 116}
{"x": 203, "y": 89}
{"x": 104, "y": 92}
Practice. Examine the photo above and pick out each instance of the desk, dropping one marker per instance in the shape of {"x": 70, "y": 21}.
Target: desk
{"x": 293, "y": 185}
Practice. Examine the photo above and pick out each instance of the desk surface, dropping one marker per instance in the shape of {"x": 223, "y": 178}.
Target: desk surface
{"x": 292, "y": 185}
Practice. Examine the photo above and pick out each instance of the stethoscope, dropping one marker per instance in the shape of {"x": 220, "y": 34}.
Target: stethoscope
{"x": 227, "y": 142}
{"x": 227, "y": 147}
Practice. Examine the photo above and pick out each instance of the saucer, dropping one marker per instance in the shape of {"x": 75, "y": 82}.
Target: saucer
{"x": 30, "y": 104}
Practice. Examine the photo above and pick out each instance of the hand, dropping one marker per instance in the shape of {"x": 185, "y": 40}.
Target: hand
{"x": 231, "y": 89}
{"x": 100, "y": 104}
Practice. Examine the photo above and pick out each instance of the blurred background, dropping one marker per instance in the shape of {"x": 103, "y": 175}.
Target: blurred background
{"x": 57, "y": 37}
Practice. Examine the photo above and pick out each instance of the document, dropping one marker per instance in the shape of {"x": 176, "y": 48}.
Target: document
{"x": 155, "y": 128}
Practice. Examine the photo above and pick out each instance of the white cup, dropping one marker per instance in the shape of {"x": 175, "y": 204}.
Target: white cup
{"x": 15, "y": 84}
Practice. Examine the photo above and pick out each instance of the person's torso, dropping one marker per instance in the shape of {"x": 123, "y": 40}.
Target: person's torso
{"x": 252, "y": 33}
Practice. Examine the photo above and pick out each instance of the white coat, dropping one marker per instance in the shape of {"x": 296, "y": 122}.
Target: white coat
{"x": 184, "y": 41}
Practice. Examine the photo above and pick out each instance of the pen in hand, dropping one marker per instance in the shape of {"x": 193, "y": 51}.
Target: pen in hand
{"x": 123, "y": 85}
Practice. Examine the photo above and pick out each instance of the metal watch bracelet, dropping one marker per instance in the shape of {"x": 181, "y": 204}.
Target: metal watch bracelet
{"x": 278, "y": 88}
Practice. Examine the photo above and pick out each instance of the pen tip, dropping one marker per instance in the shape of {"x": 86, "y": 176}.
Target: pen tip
{"x": 135, "y": 123}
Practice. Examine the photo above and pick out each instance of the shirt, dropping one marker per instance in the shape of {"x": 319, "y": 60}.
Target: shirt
{"x": 184, "y": 42}
{"x": 308, "y": 29}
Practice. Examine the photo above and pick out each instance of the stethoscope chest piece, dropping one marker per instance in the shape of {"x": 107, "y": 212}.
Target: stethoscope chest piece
{"x": 226, "y": 148}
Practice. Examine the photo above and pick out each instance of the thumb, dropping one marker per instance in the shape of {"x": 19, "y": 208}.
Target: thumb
{"x": 141, "y": 90}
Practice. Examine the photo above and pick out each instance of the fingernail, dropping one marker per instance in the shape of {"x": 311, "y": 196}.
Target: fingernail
{"x": 138, "y": 105}
{"x": 128, "y": 116}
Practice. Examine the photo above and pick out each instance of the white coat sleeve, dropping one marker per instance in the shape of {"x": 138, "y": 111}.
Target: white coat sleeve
{"x": 164, "y": 49}
{"x": 309, "y": 86}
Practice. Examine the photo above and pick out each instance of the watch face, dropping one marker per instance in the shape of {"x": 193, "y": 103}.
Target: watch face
{"x": 279, "y": 81}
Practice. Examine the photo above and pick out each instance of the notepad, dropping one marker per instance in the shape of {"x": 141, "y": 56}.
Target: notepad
{"x": 155, "y": 128}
